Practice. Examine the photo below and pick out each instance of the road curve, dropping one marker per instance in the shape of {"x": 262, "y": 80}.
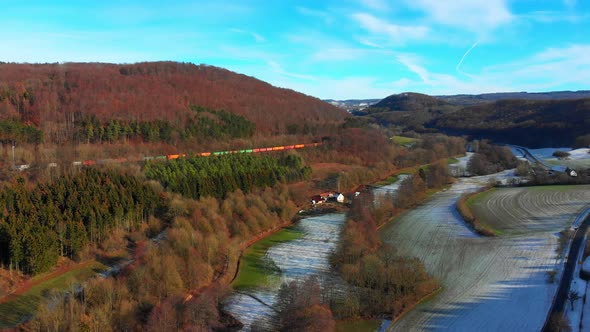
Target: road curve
{"x": 529, "y": 156}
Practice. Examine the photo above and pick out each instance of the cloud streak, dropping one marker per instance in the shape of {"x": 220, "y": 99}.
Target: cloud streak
{"x": 458, "y": 67}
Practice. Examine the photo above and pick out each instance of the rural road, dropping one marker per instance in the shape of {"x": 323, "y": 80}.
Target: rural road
{"x": 529, "y": 156}
{"x": 569, "y": 268}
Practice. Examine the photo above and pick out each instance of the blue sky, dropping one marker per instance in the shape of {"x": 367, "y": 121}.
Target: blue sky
{"x": 329, "y": 49}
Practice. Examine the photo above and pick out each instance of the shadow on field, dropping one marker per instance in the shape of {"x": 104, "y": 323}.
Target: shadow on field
{"x": 504, "y": 307}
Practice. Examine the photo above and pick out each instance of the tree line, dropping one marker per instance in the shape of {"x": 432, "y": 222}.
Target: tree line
{"x": 382, "y": 283}
{"x": 40, "y": 222}
{"x": 489, "y": 158}
{"x": 202, "y": 242}
{"x": 203, "y": 124}
{"x": 217, "y": 176}
{"x": 12, "y": 131}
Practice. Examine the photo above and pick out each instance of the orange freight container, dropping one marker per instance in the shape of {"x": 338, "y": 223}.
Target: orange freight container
{"x": 172, "y": 156}
{"x": 205, "y": 154}
{"x": 299, "y": 146}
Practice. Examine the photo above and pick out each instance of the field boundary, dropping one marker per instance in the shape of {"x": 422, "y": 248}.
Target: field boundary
{"x": 469, "y": 217}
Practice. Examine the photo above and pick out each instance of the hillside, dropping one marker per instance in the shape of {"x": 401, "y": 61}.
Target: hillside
{"x": 53, "y": 96}
{"x": 410, "y": 101}
{"x": 525, "y": 122}
{"x": 409, "y": 110}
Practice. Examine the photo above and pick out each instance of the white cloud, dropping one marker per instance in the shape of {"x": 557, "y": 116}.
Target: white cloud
{"x": 552, "y": 67}
{"x": 318, "y": 14}
{"x": 480, "y": 16}
{"x": 278, "y": 69}
{"x": 547, "y": 16}
{"x": 254, "y": 35}
{"x": 395, "y": 33}
{"x": 376, "y": 4}
{"x": 338, "y": 54}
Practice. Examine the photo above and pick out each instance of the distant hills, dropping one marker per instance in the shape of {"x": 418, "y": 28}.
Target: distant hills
{"x": 532, "y": 123}
{"x": 468, "y": 100}
{"x": 55, "y": 95}
{"x": 534, "y": 120}
{"x": 411, "y": 101}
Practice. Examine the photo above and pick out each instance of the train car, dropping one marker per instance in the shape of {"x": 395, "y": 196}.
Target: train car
{"x": 256, "y": 150}
{"x": 289, "y": 147}
{"x": 249, "y": 150}
{"x": 77, "y": 163}
{"x": 134, "y": 159}
{"x": 205, "y": 154}
{"x": 148, "y": 158}
{"x": 88, "y": 162}
{"x": 299, "y": 146}
{"x": 243, "y": 151}
{"x": 52, "y": 165}
{"x": 172, "y": 156}
{"x": 278, "y": 148}
{"x": 160, "y": 157}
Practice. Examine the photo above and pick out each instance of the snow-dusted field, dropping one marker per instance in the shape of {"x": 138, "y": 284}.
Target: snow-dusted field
{"x": 579, "y": 158}
{"x": 489, "y": 284}
{"x": 532, "y": 209}
{"x": 296, "y": 259}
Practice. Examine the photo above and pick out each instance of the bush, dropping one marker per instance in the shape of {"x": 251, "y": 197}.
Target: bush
{"x": 560, "y": 154}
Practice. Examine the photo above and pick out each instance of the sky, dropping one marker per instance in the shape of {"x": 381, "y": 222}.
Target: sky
{"x": 330, "y": 49}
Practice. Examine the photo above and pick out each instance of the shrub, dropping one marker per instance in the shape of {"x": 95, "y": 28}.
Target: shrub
{"x": 560, "y": 154}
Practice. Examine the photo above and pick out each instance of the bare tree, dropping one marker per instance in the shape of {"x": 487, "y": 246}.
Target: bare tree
{"x": 573, "y": 296}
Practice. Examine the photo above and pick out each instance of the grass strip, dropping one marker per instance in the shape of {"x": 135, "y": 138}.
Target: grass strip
{"x": 255, "y": 269}
{"x": 20, "y": 308}
{"x": 464, "y": 208}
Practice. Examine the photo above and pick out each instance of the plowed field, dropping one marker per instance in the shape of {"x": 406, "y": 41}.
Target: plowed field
{"x": 489, "y": 284}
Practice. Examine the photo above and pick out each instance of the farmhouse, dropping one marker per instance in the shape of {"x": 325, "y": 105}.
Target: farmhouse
{"x": 571, "y": 172}
{"x": 317, "y": 199}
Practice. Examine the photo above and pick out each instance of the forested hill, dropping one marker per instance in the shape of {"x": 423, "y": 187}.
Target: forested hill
{"x": 524, "y": 122}
{"x": 411, "y": 101}
{"x": 46, "y": 94}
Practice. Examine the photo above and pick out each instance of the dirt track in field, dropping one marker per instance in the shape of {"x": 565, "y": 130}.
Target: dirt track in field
{"x": 490, "y": 284}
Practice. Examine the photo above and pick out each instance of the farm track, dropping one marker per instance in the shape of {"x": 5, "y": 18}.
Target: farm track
{"x": 489, "y": 284}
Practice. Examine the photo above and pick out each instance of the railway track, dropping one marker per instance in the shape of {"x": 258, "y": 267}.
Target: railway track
{"x": 169, "y": 156}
